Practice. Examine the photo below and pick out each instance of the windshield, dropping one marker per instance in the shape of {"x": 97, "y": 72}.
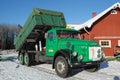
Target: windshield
{"x": 68, "y": 34}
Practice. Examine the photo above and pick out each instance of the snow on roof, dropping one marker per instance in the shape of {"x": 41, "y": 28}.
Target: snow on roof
{"x": 90, "y": 22}
{"x": 73, "y": 26}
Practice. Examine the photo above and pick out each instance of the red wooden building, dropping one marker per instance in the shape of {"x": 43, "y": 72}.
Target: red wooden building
{"x": 104, "y": 28}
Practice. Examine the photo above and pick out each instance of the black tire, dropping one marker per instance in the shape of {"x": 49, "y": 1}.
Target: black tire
{"x": 61, "y": 67}
{"x": 21, "y": 58}
{"x": 92, "y": 68}
{"x": 27, "y": 58}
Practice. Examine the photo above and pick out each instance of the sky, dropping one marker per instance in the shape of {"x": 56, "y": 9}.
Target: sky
{"x": 75, "y": 11}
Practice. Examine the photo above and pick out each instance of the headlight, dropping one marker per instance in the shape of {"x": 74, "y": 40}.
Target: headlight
{"x": 74, "y": 54}
{"x": 80, "y": 58}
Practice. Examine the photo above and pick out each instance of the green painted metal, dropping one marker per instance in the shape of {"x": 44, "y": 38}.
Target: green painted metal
{"x": 21, "y": 58}
{"x": 39, "y": 17}
{"x": 26, "y": 59}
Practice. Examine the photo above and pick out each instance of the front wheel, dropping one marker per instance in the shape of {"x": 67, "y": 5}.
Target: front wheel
{"x": 92, "y": 68}
{"x": 61, "y": 66}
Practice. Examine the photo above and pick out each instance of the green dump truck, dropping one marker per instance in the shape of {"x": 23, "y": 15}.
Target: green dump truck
{"x": 45, "y": 38}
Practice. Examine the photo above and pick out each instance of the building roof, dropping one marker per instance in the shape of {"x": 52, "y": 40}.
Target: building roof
{"x": 73, "y": 26}
{"x": 90, "y": 22}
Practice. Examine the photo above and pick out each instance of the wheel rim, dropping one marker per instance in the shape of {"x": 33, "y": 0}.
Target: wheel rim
{"x": 60, "y": 66}
{"x": 26, "y": 59}
{"x": 21, "y": 58}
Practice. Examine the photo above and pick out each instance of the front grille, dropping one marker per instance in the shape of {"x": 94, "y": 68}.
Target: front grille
{"x": 95, "y": 53}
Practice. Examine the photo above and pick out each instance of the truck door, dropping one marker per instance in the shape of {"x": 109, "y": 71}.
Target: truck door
{"x": 50, "y": 44}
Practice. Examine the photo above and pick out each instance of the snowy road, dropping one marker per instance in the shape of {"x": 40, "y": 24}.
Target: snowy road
{"x": 11, "y": 70}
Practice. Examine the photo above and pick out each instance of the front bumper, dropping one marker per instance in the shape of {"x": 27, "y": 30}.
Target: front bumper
{"x": 83, "y": 64}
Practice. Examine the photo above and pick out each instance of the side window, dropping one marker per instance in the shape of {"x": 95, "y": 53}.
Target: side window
{"x": 51, "y": 36}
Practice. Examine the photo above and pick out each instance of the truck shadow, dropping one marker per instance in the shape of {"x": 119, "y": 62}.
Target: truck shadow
{"x": 37, "y": 63}
{"x": 116, "y": 78}
{"x": 75, "y": 72}
{"x": 104, "y": 64}
{"x": 11, "y": 58}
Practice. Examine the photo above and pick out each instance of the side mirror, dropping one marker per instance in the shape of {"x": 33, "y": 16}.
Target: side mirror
{"x": 46, "y": 35}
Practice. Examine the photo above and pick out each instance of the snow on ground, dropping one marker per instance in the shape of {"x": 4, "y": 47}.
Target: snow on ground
{"x": 108, "y": 71}
{"x": 12, "y": 70}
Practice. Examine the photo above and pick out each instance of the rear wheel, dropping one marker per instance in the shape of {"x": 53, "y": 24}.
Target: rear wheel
{"x": 61, "y": 67}
{"x": 21, "y": 58}
{"x": 92, "y": 68}
{"x": 27, "y": 59}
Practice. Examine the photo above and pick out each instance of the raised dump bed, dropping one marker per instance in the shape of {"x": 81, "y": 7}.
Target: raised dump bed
{"x": 38, "y": 22}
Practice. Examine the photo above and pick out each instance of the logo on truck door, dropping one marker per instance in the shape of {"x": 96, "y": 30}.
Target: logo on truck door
{"x": 50, "y": 50}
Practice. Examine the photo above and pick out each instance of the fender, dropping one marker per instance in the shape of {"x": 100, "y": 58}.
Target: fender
{"x": 63, "y": 52}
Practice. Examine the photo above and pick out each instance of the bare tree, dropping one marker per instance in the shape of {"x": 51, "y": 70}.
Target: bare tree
{"x": 7, "y": 35}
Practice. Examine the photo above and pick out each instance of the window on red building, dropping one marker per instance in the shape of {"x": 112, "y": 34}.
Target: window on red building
{"x": 105, "y": 43}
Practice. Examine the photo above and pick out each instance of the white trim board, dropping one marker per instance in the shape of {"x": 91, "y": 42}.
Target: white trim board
{"x": 107, "y": 37}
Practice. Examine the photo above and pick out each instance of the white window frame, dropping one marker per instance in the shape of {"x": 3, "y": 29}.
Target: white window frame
{"x": 113, "y": 12}
{"x": 118, "y": 42}
{"x": 108, "y": 46}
